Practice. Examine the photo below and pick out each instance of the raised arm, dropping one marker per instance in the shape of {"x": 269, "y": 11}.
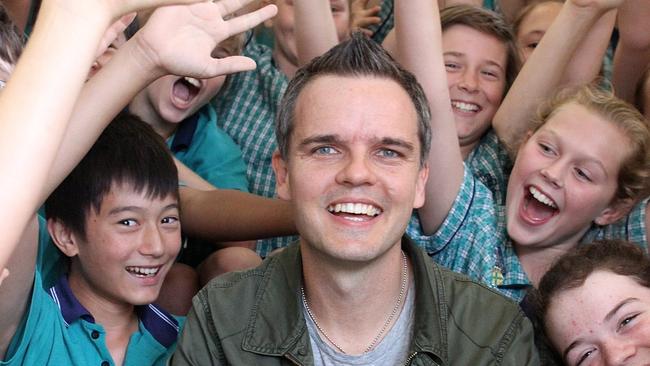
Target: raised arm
{"x": 175, "y": 40}
{"x": 544, "y": 69}
{"x": 228, "y": 215}
{"x": 315, "y": 29}
{"x": 419, "y": 49}
{"x": 37, "y": 102}
{"x": 633, "y": 50}
{"x": 34, "y": 127}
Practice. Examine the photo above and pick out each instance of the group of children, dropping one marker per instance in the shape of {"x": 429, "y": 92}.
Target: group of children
{"x": 519, "y": 175}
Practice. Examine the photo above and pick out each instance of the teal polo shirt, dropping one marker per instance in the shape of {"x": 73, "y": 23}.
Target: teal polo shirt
{"x": 209, "y": 151}
{"x": 58, "y": 330}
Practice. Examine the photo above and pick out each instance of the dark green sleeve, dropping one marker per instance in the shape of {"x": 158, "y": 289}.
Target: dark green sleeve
{"x": 518, "y": 346}
{"x": 199, "y": 343}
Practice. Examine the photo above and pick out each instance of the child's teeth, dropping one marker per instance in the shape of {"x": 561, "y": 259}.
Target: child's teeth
{"x": 541, "y": 197}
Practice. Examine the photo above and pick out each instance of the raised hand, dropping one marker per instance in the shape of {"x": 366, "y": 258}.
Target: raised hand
{"x": 602, "y": 5}
{"x": 363, "y": 16}
{"x": 180, "y": 39}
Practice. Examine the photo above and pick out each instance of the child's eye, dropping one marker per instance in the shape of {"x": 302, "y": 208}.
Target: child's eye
{"x": 532, "y": 45}
{"x": 545, "y": 148}
{"x": 128, "y": 222}
{"x": 584, "y": 357}
{"x": 582, "y": 174}
{"x": 490, "y": 74}
{"x": 626, "y": 321}
{"x": 169, "y": 220}
{"x": 451, "y": 66}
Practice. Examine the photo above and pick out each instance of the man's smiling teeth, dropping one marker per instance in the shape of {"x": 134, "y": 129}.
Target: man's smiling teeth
{"x": 192, "y": 81}
{"x": 465, "y": 107}
{"x": 143, "y": 271}
{"x": 355, "y": 208}
{"x": 541, "y": 197}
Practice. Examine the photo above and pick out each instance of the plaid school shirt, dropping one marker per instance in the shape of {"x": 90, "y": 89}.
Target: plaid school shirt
{"x": 473, "y": 238}
{"x": 246, "y": 108}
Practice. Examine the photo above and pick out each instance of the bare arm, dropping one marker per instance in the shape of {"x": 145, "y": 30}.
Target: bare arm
{"x": 587, "y": 60}
{"x": 195, "y": 182}
{"x": 419, "y": 49}
{"x": 233, "y": 215}
{"x": 542, "y": 73}
{"x": 314, "y": 29}
{"x": 34, "y": 127}
{"x": 38, "y": 100}
{"x": 633, "y": 50}
{"x": 191, "y": 32}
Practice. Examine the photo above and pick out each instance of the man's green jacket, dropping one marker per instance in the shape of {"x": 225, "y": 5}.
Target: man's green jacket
{"x": 256, "y": 318}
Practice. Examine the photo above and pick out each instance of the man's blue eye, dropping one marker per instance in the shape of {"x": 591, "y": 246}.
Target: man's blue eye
{"x": 325, "y": 150}
{"x": 387, "y": 153}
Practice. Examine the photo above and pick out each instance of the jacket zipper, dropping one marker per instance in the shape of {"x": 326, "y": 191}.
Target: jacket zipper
{"x": 408, "y": 360}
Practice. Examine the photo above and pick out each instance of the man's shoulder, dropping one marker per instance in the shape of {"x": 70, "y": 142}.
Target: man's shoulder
{"x": 459, "y": 286}
{"x": 480, "y": 316}
{"x": 235, "y": 294}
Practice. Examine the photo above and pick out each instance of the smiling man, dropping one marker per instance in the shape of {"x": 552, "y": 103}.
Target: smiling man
{"x": 353, "y": 132}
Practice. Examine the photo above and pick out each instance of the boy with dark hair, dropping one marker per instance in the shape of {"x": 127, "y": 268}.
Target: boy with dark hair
{"x": 116, "y": 216}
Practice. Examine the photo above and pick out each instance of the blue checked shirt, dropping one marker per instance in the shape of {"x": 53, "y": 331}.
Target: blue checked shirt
{"x": 246, "y": 109}
{"x": 473, "y": 238}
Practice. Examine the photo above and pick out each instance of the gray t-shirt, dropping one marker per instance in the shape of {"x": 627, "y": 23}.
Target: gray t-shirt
{"x": 392, "y": 350}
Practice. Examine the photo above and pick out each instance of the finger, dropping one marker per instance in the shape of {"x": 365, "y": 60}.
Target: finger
{"x": 229, "y": 65}
{"x": 113, "y": 31}
{"x": 372, "y": 11}
{"x": 247, "y": 21}
{"x": 367, "y": 32}
{"x": 368, "y": 21}
{"x": 129, "y": 6}
{"x": 227, "y": 7}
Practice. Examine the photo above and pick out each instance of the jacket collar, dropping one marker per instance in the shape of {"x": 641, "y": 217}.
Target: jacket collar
{"x": 284, "y": 333}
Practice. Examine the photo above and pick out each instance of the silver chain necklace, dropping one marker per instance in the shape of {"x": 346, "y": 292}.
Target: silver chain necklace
{"x": 396, "y": 308}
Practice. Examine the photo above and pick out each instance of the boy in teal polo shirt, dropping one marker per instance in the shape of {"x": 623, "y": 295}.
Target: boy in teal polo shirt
{"x": 116, "y": 216}
{"x": 121, "y": 232}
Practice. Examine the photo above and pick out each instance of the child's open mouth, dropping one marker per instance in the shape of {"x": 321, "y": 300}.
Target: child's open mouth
{"x": 185, "y": 90}
{"x": 538, "y": 207}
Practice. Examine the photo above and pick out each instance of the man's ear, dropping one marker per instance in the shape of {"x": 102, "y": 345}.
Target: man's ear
{"x": 614, "y": 212}
{"x": 281, "y": 176}
{"x": 63, "y": 237}
{"x": 420, "y": 186}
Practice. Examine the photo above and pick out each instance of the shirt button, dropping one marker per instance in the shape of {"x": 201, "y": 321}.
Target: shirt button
{"x": 95, "y": 335}
{"x": 105, "y": 363}
{"x": 302, "y": 352}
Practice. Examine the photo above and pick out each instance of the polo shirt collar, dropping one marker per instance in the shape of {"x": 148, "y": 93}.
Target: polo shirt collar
{"x": 162, "y": 326}
{"x": 182, "y": 139}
